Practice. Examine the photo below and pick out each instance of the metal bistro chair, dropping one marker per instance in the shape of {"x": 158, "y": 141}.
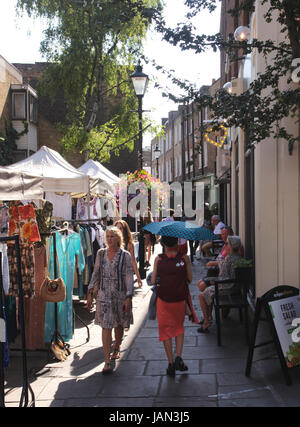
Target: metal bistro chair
{"x": 235, "y": 298}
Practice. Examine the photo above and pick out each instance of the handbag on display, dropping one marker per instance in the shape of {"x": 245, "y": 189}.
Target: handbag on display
{"x": 53, "y": 290}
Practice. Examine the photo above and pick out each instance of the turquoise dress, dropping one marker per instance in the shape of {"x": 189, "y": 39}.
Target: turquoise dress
{"x": 67, "y": 247}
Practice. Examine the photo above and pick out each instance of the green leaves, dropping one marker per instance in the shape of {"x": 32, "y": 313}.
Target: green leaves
{"x": 8, "y": 144}
{"x": 260, "y": 109}
{"x": 91, "y": 46}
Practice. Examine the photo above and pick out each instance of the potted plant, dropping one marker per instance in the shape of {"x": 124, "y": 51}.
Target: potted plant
{"x": 243, "y": 269}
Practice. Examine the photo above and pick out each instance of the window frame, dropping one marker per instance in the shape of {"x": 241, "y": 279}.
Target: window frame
{"x": 35, "y": 103}
{"x": 18, "y": 92}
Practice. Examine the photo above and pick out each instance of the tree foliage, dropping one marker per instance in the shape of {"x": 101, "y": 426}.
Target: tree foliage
{"x": 8, "y": 145}
{"x": 91, "y": 46}
{"x": 259, "y": 110}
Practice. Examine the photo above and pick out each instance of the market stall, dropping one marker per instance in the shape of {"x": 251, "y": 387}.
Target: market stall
{"x": 44, "y": 173}
{"x": 103, "y": 189}
{"x": 58, "y": 175}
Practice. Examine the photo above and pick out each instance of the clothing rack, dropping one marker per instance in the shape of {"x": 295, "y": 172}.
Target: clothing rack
{"x": 2, "y": 344}
{"x": 57, "y": 337}
{"x": 26, "y": 386}
{"x": 83, "y": 220}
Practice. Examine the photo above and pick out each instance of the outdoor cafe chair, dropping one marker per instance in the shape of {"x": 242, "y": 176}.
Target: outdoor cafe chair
{"x": 237, "y": 297}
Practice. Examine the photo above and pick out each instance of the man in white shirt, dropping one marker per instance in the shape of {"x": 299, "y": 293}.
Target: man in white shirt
{"x": 218, "y": 225}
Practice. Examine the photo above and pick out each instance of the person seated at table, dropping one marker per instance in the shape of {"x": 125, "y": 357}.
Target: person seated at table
{"x": 226, "y": 271}
{"x": 218, "y": 225}
{"x": 213, "y": 266}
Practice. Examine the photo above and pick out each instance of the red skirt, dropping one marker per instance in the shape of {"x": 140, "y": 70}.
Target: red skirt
{"x": 170, "y": 317}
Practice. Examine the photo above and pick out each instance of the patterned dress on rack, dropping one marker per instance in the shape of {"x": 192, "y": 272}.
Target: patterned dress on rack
{"x": 22, "y": 222}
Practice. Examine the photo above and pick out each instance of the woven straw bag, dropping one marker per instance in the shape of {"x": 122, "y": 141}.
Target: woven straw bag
{"x": 53, "y": 290}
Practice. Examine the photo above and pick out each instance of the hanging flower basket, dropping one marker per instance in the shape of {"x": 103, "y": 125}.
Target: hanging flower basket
{"x": 152, "y": 187}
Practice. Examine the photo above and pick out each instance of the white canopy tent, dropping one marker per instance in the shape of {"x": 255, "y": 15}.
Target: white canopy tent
{"x": 96, "y": 170}
{"x": 20, "y": 185}
{"x": 103, "y": 182}
{"x": 103, "y": 178}
{"x": 58, "y": 175}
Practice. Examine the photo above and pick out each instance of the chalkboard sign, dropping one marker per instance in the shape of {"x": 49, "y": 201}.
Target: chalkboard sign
{"x": 283, "y": 313}
{"x": 279, "y": 307}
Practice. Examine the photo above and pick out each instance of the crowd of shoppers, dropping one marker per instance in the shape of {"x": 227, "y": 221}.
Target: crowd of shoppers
{"x": 112, "y": 286}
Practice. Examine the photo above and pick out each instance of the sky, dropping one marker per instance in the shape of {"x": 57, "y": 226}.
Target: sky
{"x": 20, "y": 41}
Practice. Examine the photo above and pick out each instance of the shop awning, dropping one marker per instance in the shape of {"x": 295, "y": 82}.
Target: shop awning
{"x": 16, "y": 185}
{"x": 58, "y": 175}
{"x": 102, "y": 179}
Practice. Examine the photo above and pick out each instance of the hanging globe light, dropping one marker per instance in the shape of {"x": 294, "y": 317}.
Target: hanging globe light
{"x": 242, "y": 34}
{"x": 228, "y": 87}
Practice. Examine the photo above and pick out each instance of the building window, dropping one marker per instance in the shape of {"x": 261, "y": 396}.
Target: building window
{"x": 191, "y": 160}
{"x": 19, "y": 106}
{"x": 32, "y": 109}
{"x": 205, "y": 154}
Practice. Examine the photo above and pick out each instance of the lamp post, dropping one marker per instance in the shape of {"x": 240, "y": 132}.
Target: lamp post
{"x": 140, "y": 81}
{"x": 156, "y": 155}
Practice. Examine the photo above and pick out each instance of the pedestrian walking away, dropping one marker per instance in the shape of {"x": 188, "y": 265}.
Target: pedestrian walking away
{"x": 129, "y": 246}
{"x": 112, "y": 286}
{"x": 147, "y": 219}
{"x": 172, "y": 272}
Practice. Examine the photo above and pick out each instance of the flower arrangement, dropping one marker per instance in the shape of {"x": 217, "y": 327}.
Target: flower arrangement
{"x": 152, "y": 187}
{"x": 243, "y": 263}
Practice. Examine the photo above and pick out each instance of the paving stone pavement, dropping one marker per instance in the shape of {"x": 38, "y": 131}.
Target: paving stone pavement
{"x": 216, "y": 375}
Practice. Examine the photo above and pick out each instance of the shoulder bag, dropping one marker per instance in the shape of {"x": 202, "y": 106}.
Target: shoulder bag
{"x": 53, "y": 290}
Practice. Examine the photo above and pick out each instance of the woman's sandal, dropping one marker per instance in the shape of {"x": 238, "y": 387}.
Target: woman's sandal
{"x": 180, "y": 365}
{"x": 108, "y": 369}
{"x": 115, "y": 354}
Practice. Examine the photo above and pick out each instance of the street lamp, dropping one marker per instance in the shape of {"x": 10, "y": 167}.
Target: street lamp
{"x": 140, "y": 81}
{"x": 228, "y": 87}
{"x": 156, "y": 155}
{"x": 242, "y": 33}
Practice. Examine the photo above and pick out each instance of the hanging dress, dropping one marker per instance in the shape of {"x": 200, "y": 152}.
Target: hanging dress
{"x": 67, "y": 247}
{"x": 34, "y": 308}
{"x": 22, "y": 222}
